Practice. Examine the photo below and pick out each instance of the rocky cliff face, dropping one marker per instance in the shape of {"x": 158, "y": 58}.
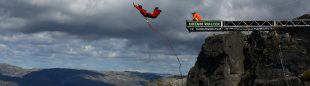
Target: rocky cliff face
{"x": 220, "y": 62}
{"x": 258, "y": 59}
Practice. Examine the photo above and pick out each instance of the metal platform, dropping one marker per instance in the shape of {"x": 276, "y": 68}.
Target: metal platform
{"x": 220, "y": 25}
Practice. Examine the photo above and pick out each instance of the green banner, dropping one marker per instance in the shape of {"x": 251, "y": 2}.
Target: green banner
{"x": 203, "y": 23}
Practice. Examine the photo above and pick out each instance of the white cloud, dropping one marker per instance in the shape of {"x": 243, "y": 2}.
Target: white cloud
{"x": 81, "y": 7}
{"x": 3, "y": 47}
{"x": 56, "y": 16}
{"x": 112, "y": 54}
{"x": 36, "y": 38}
{"x": 70, "y": 52}
{"x": 7, "y": 23}
{"x": 119, "y": 28}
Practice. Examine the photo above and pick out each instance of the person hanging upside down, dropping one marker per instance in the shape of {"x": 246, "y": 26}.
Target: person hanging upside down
{"x": 146, "y": 14}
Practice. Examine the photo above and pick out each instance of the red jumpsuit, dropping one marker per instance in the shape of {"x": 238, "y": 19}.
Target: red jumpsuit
{"x": 155, "y": 13}
{"x": 196, "y": 17}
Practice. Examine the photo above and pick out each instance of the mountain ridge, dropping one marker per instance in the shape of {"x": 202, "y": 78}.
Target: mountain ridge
{"x": 16, "y": 76}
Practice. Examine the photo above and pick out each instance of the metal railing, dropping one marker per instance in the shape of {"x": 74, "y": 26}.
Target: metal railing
{"x": 220, "y": 25}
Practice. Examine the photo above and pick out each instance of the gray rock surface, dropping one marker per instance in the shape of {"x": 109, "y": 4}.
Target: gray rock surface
{"x": 220, "y": 62}
{"x": 236, "y": 60}
{"x": 259, "y": 59}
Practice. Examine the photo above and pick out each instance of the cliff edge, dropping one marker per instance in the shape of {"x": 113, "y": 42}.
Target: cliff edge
{"x": 257, "y": 59}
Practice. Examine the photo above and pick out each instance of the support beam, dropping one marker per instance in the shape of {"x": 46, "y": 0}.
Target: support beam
{"x": 220, "y": 25}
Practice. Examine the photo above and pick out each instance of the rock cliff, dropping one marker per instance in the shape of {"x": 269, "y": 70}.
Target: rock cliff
{"x": 257, "y": 59}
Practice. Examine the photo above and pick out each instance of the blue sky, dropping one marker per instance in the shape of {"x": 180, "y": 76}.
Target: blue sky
{"x": 111, "y": 35}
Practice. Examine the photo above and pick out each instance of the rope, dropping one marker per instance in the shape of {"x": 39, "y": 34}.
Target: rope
{"x": 282, "y": 64}
{"x": 168, "y": 43}
{"x": 170, "y": 46}
{"x": 281, "y": 59}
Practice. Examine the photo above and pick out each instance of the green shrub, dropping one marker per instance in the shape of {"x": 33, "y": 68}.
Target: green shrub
{"x": 305, "y": 75}
{"x": 159, "y": 83}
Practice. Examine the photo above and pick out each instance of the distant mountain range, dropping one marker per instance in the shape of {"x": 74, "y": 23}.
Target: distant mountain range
{"x": 16, "y": 76}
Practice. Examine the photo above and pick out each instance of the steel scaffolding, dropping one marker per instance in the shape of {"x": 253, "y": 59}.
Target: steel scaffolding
{"x": 220, "y": 25}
